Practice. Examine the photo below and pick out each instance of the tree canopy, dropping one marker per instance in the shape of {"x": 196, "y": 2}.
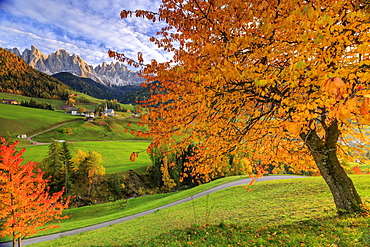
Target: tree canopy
{"x": 265, "y": 82}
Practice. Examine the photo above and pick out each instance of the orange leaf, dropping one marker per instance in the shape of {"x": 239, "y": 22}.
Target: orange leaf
{"x": 133, "y": 156}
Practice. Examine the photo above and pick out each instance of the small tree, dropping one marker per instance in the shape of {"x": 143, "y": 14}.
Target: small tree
{"x": 88, "y": 168}
{"x": 53, "y": 166}
{"x": 81, "y": 110}
{"x": 66, "y": 158}
{"x": 25, "y": 203}
{"x": 70, "y": 101}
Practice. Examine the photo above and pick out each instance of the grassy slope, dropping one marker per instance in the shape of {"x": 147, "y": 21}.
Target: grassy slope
{"x": 24, "y": 120}
{"x": 53, "y": 102}
{"x": 90, "y": 215}
{"x": 115, "y": 154}
{"x": 292, "y": 211}
{"x": 19, "y": 98}
{"x": 112, "y": 128}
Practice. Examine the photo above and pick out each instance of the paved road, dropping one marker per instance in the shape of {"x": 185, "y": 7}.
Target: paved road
{"x": 108, "y": 223}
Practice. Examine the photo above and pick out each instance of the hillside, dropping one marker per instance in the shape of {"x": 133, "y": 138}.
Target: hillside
{"x": 23, "y": 120}
{"x": 16, "y": 76}
{"x": 95, "y": 89}
{"x": 136, "y": 96}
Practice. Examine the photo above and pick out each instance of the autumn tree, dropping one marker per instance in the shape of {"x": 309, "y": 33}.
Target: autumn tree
{"x": 169, "y": 168}
{"x": 81, "y": 110}
{"x": 25, "y": 202}
{"x": 271, "y": 82}
{"x": 88, "y": 169}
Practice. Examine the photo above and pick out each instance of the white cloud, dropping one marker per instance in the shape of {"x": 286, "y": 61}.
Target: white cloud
{"x": 87, "y": 28}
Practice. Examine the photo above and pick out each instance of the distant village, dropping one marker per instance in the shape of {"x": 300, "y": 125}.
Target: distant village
{"x": 90, "y": 115}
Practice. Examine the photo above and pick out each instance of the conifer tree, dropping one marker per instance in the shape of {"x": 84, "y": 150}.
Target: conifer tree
{"x": 53, "y": 165}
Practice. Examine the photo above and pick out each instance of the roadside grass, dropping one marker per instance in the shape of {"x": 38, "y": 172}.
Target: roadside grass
{"x": 115, "y": 154}
{"x": 112, "y": 128}
{"x": 325, "y": 231}
{"x": 95, "y": 214}
{"x": 24, "y": 120}
{"x": 297, "y": 212}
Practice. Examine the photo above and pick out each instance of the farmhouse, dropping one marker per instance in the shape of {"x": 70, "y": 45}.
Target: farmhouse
{"x": 74, "y": 111}
{"x": 89, "y": 114}
{"x": 10, "y": 101}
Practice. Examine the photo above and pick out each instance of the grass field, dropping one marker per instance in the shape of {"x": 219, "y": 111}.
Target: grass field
{"x": 298, "y": 212}
{"x": 19, "y": 98}
{"x": 112, "y": 128}
{"x": 115, "y": 154}
{"x": 24, "y": 120}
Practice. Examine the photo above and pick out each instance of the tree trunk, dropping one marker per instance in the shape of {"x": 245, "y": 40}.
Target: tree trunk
{"x": 324, "y": 152}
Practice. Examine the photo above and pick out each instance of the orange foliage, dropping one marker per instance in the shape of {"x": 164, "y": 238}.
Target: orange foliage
{"x": 357, "y": 170}
{"x": 253, "y": 80}
{"x": 25, "y": 203}
{"x": 133, "y": 156}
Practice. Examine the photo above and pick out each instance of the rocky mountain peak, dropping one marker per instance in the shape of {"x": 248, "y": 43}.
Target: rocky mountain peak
{"x": 61, "y": 61}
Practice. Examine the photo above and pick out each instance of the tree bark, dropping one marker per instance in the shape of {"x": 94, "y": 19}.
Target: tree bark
{"x": 324, "y": 152}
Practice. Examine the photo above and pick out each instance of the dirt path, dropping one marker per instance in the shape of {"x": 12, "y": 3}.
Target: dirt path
{"x": 120, "y": 220}
{"x": 40, "y": 143}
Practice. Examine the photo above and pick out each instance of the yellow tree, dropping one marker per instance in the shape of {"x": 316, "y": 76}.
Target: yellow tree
{"x": 269, "y": 82}
{"x": 88, "y": 169}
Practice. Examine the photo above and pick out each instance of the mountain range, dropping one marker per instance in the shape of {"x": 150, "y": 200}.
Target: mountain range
{"x": 113, "y": 74}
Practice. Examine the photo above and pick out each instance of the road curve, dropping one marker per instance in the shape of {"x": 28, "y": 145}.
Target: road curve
{"x": 57, "y": 126}
{"x": 127, "y": 218}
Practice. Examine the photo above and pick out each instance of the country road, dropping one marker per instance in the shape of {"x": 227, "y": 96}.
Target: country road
{"x": 39, "y": 143}
{"x": 120, "y": 220}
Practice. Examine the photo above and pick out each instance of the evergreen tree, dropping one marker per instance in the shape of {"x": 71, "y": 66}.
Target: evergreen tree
{"x": 66, "y": 158}
{"x": 54, "y": 167}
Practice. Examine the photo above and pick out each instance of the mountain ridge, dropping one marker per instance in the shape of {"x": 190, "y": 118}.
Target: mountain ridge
{"x": 113, "y": 74}
{"x": 93, "y": 88}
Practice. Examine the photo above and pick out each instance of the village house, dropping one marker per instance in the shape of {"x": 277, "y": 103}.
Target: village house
{"x": 74, "y": 111}
{"x": 89, "y": 114}
{"x": 10, "y": 101}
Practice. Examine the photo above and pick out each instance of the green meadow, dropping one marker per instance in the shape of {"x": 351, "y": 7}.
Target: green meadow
{"x": 19, "y": 98}
{"x": 296, "y": 212}
{"x": 112, "y": 128}
{"x": 115, "y": 154}
{"x": 24, "y": 120}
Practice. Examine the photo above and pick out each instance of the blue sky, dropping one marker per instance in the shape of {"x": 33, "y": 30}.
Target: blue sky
{"x": 83, "y": 27}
